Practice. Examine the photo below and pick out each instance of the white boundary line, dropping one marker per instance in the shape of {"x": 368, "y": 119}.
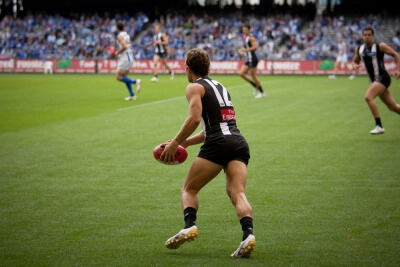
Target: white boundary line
{"x": 152, "y": 103}
{"x": 174, "y": 98}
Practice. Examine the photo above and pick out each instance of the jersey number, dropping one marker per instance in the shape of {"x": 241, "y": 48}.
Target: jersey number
{"x": 222, "y": 99}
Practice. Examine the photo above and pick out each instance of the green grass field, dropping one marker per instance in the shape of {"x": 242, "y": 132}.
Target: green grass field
{"x": 79, "y": 185}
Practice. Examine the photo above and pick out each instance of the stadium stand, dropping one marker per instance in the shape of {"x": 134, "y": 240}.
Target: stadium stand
{"x": 53, "y": 36}
{"x": 280, "y": 36}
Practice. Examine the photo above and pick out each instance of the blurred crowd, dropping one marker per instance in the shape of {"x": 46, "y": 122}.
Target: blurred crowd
{"x": 281, "y": 36}
{"x": 53, "y": 36}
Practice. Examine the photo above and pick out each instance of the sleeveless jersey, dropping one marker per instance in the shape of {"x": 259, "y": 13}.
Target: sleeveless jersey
{"x": 218, "y": 116}
{"x": 250, "y": 56}
{"x": 373, "y": 61}
{"x": 127, "y": 54}
{"x": 160, "y": 48}
{"x": 340, "y": 47}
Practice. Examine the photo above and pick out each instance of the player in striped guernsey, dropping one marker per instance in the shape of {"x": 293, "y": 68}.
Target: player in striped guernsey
{"x": 224, "y": 148}
{"x": 125, "y": 61}
{"x": 372, "y": 54}
{"x": 249, "y": 48}
{"x": 160, "y": 43}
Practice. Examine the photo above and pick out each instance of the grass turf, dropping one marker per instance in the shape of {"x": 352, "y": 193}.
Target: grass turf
{"x": 79, "y": 185}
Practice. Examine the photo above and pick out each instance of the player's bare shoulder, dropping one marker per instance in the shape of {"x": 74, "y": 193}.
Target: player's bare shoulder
{"x": 195, "y": 89}
{"x": 386, "y": 49}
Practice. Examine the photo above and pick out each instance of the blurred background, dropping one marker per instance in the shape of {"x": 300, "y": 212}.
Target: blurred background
{"x": 155, "y": 8}
{"x": 285, "y": 29}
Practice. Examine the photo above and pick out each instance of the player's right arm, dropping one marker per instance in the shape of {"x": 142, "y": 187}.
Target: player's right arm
{"x": 254, "y": 44}
{"x": 194, "y": 94}
{"x": 389, "y": 51}
{"x": 356, "y": 59}
{"x": 123, "y": 44}
{"x": 164, "y": 39}
{"x": 253, "y": 47}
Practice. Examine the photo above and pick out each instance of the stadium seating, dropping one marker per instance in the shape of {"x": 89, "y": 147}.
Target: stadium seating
{"x": 281, "y": 36}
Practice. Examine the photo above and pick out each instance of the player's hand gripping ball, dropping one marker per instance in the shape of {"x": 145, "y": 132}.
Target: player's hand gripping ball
{"x": 180, "y": 155}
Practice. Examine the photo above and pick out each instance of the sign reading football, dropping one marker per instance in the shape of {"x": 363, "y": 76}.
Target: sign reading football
{"x": 180, "y": 155}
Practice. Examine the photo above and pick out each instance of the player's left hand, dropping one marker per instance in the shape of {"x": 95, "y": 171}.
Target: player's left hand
{"x": 169, "y": 152}
{"x": 397, "y": 74}
{"x": 355, "y": 66}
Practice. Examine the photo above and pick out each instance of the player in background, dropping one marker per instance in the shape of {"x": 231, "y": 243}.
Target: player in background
{"x": 249, "y": 48}
{"x": 47, "y": 66}
{"x": 224, "y": 148}
{"x": 342, "y": 60}
{"x": 160, "y": 44}
{"x": 372, "y": 54}
{"x": 125, "y": 61}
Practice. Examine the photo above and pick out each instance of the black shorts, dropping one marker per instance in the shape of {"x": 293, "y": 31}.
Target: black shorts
{"x": 223, "y": 149}
{"x": 252, "y": 64}
{"x": 162, "y": 55}
{"x": 385, "y": 80}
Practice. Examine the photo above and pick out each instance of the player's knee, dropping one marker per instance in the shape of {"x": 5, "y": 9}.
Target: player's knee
{"x": 229, "y": 192}
{"x": 234, "y": 194}
{"x": 393, "y": 107}
{"x": 368, "y": 98}
{"x": 231, "y": 197}
{"x": 186, "y": 190}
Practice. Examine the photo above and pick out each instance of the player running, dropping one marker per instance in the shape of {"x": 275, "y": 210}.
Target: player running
{"x": 372, "y": 54}
{"x": 125, "y": 61}
{"x": 160, "y": 44}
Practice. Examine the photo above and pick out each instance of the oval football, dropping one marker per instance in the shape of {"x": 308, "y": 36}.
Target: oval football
{"x": 180, "y": 155}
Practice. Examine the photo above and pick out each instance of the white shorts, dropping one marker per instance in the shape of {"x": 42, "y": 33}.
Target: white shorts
{"x": 124, "y": 65}
{"x": 342, "y": 59}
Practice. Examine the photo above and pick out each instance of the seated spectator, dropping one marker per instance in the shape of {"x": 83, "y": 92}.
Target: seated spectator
{"x": 396, "y": 41}
{"x": 84, "y": 36}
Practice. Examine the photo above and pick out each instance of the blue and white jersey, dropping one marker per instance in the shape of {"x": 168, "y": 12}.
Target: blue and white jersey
{"x": 340, "y": 47}
{"x": 127, "y": 55}
{"x": 342, "y": 57}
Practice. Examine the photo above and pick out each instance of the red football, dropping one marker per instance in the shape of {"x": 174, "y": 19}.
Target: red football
{"x": 180, "y": 155}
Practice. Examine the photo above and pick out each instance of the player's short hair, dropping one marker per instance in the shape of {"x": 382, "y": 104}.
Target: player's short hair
{"x": 369, "y": 28}
{"x": 246, "y": 26}
{"x": 198, "y": 61}
{"x": 120, "y": 26}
